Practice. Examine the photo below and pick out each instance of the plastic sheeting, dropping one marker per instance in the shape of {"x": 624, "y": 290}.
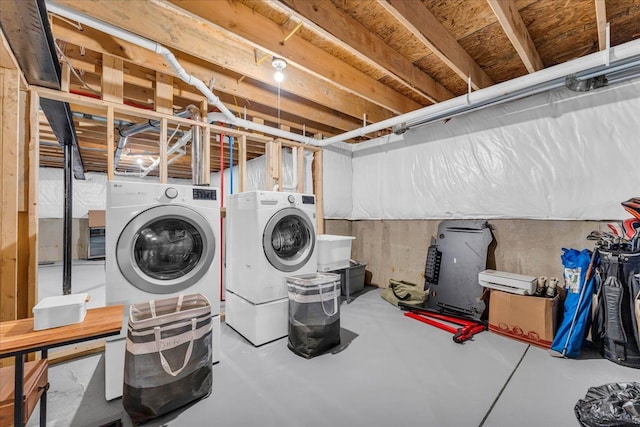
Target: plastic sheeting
{"x": 337, "y": 181}
{"x": 557, "y": 155}
{"x": 90, "y": 194}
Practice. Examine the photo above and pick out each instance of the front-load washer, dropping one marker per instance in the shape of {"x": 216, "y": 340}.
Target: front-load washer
{"x": 270, "y": 235}
{"x": 162, "y": 240}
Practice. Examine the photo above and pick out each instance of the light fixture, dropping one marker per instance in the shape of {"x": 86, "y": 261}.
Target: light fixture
{"x": 139, "y": 161}
{"x": 279, "y": 64}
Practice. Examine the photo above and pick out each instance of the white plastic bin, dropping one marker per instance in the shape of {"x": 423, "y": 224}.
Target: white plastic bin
{"x": 62, "y": 310}
{"x": 334, "y": 252}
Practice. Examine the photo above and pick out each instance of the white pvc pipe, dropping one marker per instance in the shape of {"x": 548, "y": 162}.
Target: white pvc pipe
{"x": 450, "y": 107}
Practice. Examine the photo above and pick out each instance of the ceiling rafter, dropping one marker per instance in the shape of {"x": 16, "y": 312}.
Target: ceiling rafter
{"x": 515, "y": 28}
{"x": 601, "y": 22}
{"x": 104, "y": 44}
{"x": 182, "y": 30}
{"x": 358, "y": 40}
{"x": 265, "y": 34}
{"x": 427, "y": 28}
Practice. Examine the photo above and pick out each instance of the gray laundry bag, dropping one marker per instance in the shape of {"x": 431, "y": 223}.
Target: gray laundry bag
{"x": 168, "y": 362}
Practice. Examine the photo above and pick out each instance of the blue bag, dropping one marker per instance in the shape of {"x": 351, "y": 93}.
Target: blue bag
{"x": 579, "y": 284}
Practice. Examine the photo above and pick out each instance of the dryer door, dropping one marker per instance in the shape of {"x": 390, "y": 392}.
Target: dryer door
{"x": 289, "y": 239}
{"x": 166, "y": 249}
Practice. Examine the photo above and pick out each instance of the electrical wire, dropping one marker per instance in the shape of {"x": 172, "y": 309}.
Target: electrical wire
{"x": 73, "y": 70}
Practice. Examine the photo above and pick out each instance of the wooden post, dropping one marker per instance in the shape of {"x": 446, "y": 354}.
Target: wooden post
{"x": 269, "y": 152}
{"x": 112, "y": 79}
{"x": 206, "y": 140}
{"x": 9, "y": 141}
{"x": 66, "y": 77}
{"x": 164, "y": 167}
{"x": 277, "y": 167}
{"x": 164, "y": 93}
{"x": 317, "y": 189}
{"x": 110, "y": 143}
{"x": 300, "y": 160}
{"x": 32, "y": 202}
{"x": 242, "y": 162}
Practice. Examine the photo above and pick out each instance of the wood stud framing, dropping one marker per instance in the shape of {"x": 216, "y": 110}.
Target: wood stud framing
{"x": 601, "y": 20}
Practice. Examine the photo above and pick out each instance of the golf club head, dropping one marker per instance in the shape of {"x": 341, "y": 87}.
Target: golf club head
{"x": 632, "y": 206}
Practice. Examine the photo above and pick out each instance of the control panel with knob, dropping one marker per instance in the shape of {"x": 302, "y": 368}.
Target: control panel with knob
{"x": 291, "y": 199}
{"x": 171, "y": 193}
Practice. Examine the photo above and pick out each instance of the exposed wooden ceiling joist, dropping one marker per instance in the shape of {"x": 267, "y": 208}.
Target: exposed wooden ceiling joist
{"x": 184, "y": 31}
{"x": 601, "y": 21}
{"x": 265, "y": 34}
{"x": 102, "y": 43}
{"x": 426, "y": 27}
{"x": 354, "y": 37}
{"x": 516, "y": 30}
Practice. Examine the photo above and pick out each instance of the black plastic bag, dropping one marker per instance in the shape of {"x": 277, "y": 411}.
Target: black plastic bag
{"x": 610, "y": 405}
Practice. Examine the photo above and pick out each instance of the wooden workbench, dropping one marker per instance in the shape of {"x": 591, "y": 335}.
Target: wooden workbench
{"x": 17, "y": 338}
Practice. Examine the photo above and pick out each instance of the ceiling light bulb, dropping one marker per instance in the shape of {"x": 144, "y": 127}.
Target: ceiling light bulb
{"x": 278, "y": 76}
{"x": 139, "y": 160}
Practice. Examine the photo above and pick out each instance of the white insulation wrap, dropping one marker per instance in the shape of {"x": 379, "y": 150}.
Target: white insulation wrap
{"x": 557, "y": 155}
{"x": 337, "y": 181}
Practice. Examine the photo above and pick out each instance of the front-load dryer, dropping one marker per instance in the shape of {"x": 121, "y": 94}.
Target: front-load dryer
{"x": 162, "y": 240}
{"x": 271, "y": 235}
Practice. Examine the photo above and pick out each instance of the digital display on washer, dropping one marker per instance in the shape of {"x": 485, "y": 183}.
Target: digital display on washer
{"x": 204, "y": 194}
{"x": 308, "y": 200}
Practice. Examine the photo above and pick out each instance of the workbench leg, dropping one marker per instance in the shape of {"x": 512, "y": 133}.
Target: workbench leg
{"x": 43, "y": 398}
{"x": 18, "y": 390}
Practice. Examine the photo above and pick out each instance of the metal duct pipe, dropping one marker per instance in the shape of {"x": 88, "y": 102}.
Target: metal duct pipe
{"x": 139, "y": 128}
{"x": 478, "y": 99}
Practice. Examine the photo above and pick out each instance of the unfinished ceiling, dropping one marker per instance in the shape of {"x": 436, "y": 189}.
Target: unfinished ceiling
{"x": 349, "y": 62}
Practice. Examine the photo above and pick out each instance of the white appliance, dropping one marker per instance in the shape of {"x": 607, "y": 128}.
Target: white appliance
{"x": 508, "y": 282}
{"x": 161, "y": 241}
{"x": 271, "y": 235}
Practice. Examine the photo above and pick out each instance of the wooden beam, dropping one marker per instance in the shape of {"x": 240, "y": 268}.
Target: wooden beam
{"x": 33, "y": 196}
{"x": 8, "y": 59}
{"x": 515, "y": 28}
{"x": 9, "y": 141}
{"x": 425, "y": 27}
{"x": 112, "y": 79}
{"x": 318, "y": 189}
{"x": 354, "y": 37}
{"x": 601, "y": 20}
{"x": 182, "y": 30}
{"x": 300, "y": 177}
{"x": 267, "y": 35}
{"x": 163, "y": 168}
{"x": 66, "y": 77}
{"x": 242, "y": 163}
{"x": 164, "y": 93}
{"x": 110, "y": 144}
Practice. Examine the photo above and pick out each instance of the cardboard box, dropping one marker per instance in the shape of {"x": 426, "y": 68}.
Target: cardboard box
{"x": 96, "y": 219}
{"x": 533, "y": 320}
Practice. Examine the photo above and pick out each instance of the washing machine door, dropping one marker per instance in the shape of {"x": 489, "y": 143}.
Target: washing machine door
{"x": 289, "y": 239}
{"x": 166, "y": 249}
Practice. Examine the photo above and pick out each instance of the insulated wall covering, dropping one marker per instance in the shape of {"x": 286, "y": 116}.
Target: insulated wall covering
{"x": 337, "y": 180}
{"x": 557, "y": 155}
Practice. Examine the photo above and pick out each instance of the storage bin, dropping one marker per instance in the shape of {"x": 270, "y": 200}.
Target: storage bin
{"x": 334, "y": 252}
{"x": 355, "y": 272}
{"x": 314, "y": 313}
{"x": 62, "y": 310}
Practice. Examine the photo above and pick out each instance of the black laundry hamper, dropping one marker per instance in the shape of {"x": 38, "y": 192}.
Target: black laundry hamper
{"x": 314, "y": 313}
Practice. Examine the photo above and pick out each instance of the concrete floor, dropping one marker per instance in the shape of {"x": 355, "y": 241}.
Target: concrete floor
{"x": 389, "y": 371}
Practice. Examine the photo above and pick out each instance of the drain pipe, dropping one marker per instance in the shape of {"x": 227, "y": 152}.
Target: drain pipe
{"x": 520, "y": 87}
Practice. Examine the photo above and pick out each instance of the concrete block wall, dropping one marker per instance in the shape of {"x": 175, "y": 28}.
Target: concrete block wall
{"x": 398, "y": 248}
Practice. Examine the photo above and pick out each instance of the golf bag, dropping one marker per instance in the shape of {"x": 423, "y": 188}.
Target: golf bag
{"x": 617, "y": 319}
{"x": 579, "y": 284}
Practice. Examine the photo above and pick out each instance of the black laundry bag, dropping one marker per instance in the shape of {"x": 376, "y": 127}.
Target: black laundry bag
{"x": 314, "y": 313}
{"x": 610, "y": 405}
{"x": 168, "y": 362}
